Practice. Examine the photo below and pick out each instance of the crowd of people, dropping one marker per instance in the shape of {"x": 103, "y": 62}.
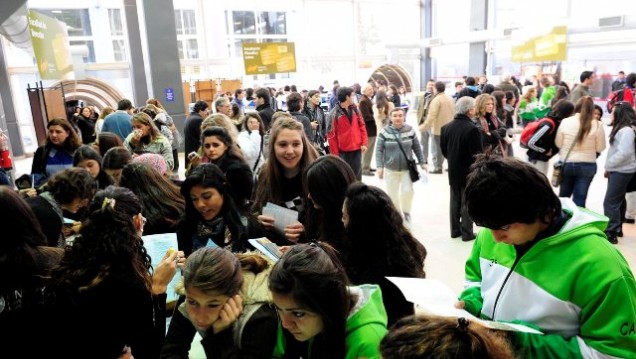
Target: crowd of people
{"x": 85, "y": 286}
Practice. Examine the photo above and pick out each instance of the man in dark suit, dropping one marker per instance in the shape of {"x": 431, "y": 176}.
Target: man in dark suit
{"x": 460, "y": 141}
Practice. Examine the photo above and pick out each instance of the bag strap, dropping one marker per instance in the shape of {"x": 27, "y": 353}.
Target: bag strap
{"x": 260, "y": 153}
{"x": 397, "y": 135}
{"x": 568, "y": 154}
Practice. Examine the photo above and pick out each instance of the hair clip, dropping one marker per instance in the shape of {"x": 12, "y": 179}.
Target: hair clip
{"x": 108, "y": 202}
{"x": 462, "y": 324}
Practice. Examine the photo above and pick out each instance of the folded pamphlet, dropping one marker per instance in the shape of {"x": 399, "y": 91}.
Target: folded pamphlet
{"x": 267, "y": 247}
{"x": 157, "y": 246}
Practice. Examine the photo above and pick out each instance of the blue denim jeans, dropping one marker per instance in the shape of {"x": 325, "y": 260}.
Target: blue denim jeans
{"x": 614, "y": 198}
{"x": 577, "y": 177}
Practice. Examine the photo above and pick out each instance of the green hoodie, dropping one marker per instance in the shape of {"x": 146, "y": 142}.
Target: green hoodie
{"x": 574, "y": 286}
{"x": 366, "y": 325}
{"x": 547, "y": 95}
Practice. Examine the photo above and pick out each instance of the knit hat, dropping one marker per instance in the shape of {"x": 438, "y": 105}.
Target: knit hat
{"x": 153, "y": 160}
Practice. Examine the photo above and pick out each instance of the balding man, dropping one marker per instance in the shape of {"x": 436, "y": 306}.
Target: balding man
{"x": 222, "y": 105}
{"x": 460, "y": 141}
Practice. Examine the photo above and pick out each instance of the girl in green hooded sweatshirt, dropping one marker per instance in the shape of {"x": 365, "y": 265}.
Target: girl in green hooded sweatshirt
{"x": 319, "y": 315}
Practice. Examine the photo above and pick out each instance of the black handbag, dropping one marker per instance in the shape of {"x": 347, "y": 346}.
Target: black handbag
{"x": 412, "y": 166}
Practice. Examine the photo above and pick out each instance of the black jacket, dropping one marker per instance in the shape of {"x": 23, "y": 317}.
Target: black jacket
{"x": 192, "y": 134}
{"x": 266, "y": 112}
{"x": 542, "y": 142}
{"x": 460, "y": 141}
{"x": 302, "y": 118}
{"x": 366, "y": 110}
{"x": 240, "y": 178}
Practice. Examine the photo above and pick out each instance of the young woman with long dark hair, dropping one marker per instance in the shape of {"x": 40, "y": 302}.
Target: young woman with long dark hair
{"x": 379, "y": 245}
{"x": 581, "y": 139}
{"x": 280, "y": 181}
{"x": 211, "y": 214}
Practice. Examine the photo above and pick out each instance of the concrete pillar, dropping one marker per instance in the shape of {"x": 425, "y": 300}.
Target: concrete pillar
{"x": 163, "y": 57}
{"x": 477, "y": 56}
{"x": 8, "y": 7}
{"x": 426, "y": 27}
{"x": 8, "y": 119}
{"x": 136, "y": 57}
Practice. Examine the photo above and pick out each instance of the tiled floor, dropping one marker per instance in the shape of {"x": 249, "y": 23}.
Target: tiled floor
{"x": 446, "y": 256}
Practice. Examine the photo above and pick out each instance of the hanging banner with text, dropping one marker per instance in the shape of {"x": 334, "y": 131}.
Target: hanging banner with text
{"x": 550, "y": 46}
{"x": 269, "y": 58}
{"x": 50, "y": 45}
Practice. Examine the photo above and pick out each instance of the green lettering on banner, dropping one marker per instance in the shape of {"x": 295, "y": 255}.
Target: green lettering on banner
{"x": 50, "y": 46}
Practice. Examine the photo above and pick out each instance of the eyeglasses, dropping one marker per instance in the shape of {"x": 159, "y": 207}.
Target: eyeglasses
{"x": 143, "y": 221}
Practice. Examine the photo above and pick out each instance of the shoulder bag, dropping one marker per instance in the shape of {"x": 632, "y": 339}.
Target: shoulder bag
{"x": 557, "y": 171}
{"x": 412, "y": 166}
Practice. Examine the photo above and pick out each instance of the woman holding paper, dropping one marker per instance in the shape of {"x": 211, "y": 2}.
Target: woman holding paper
{"x": 56, "y": 154}
{"x": 280, "y": 181}
{"x": 104, "y": 281}
{"x": 211, "y": 216}
{"x": 321, "y": 316}
{"x": 226, "y": 298}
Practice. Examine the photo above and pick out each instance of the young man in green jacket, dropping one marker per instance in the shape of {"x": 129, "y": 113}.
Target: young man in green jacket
{"x": 544, "y": 262}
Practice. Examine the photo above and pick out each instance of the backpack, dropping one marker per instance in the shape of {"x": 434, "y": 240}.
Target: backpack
{"x": 531, "y": 128}
{"x": 618, "y": 96}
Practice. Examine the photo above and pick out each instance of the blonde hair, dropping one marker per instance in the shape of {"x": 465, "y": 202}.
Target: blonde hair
{"x": 480, "y": 104}
{"x": 106, "y": 111}
{"x": 221, "y": 120}
{"x": 527, "y": 93}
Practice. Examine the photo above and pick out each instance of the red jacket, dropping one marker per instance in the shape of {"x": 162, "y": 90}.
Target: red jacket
{"x": 346, "y": 134}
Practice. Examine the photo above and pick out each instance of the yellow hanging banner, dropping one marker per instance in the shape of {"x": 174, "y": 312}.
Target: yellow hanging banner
{"x": 543, "y": 48}
{"x": 50, "y": 45}
{"x": 269, "y": 58}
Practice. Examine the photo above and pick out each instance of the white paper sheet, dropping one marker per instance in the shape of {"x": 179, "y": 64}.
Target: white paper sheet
{"x": 282, "y": 216}
{"x": 433, "y": 297}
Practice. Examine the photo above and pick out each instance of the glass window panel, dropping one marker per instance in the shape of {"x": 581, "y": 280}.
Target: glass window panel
{"x": 91, "y": 49}
{"x": 193, "y": 49}
{"x": 273, "y": 23}
{"x": 237, "y": 48}
{"x": 119, "y": 50}
{"x": 77, "y": 21}
{"x": 178, "y": 22}
{"x": 116, "y": 26}
{"x": 189, "y": 22}
{"x": 244, "y": 22}
{"x": 180, "y": 46}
